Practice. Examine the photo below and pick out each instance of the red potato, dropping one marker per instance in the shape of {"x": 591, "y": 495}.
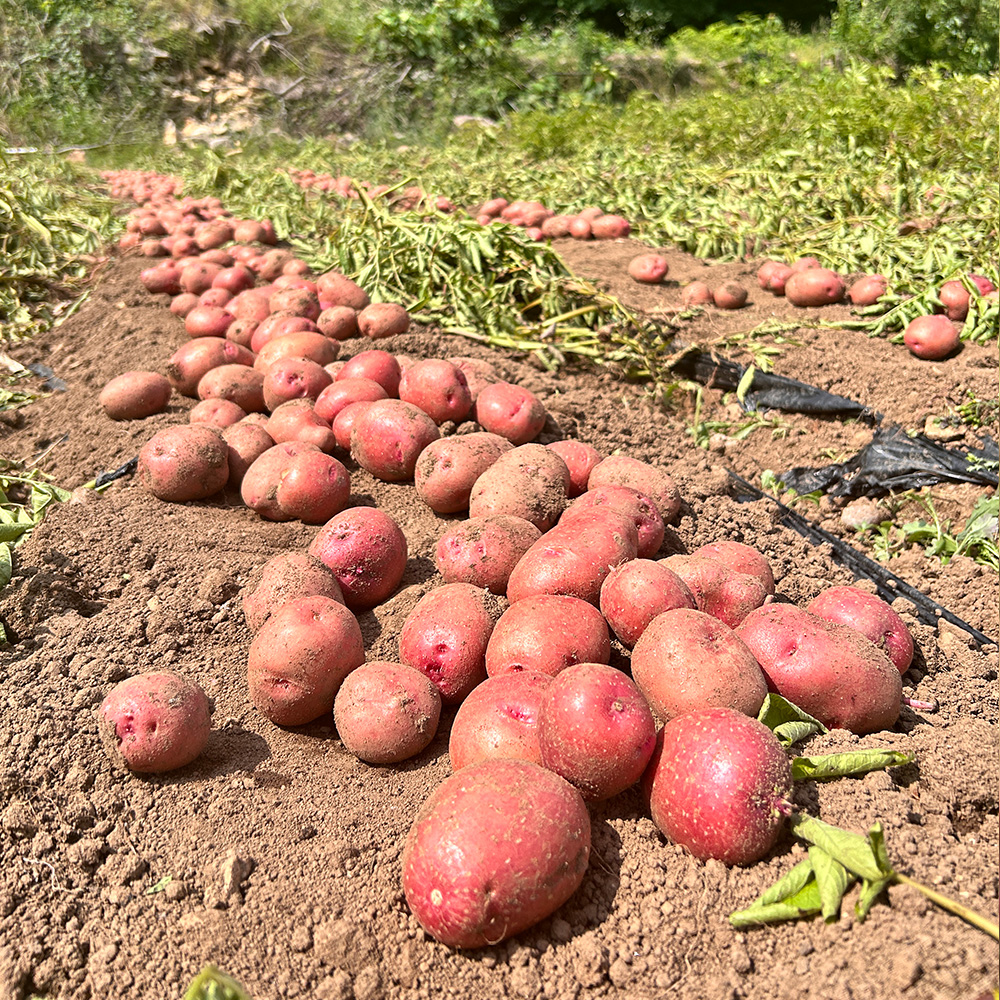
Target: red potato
{"x": 286, "y": 577}
{"x": 366, "y": 551}
{"x": 719, "y": 784}
{"x": 814, "y": 286}
{"x": 210, "y": 235}
{"x": 805, "y": 264}
{"x": 829, "y": 670}
{"x": 574, "y": 558}
{"x": 954, "y": 297}
{"x": 379, "y": 366}
{"x": 188, "y": 364}
{"x": 447, "y": 468}
{"x": 741, "y": 559}
{"x": 156, "y": 722}
{"x": 186, "y": 462}
{"x": 198, "y": 276}
{"x": 731, "y": 295}
{"x": 300, "y": 657}
{"x": 633, "y": 504}
{"x": 294, "y": 378}
{"x": 765, "y": 271}
{"x": 294, "y": 481}
{"x": 342, "y": 392}
{"x": 932, "y": 338}
{"x": 386, "y": 712}
{"x": 259, "y": 487}
{"x": 686, "y": 660}
{"x": 438, "y": 388}
{"x": 234, "y": 279}
{"x": 135, "y": 395}
{"x": 870, "y": 616}
{"x": 181, "y": 305}
{"x": 297, "y": 420}
{"x": 867, "y": 290}
{"x": 648, "y": 268}
{"x": 338, "y": 322}
{"x": 388, "y": 436}
{"x": 338, "y": 290}
{"x": 529, "y": 481}
{"x": 304, "y": 344}
{"x": 498, "y": 846}
{"x": 778, "y": 278}
{"x": 634, "y": 593}
{"x": 478, "y": 373}
{"x": 296, "y": 302}
{"x": 271, "y": 264}
{"x": 610, "y": 227}
{"x": 216, "y": 413}
{"x": 545, "y": 635}
{"x": 241, "y": 331}
{"x": 245, "y": 443}
{"x": 580, "y": 459}
{"x": 656, "y": 483}
{"x": 510, "y": 411}
{"x": 718, "y": 590}
{"x": 282, "y": 325}
{"x": 499, "y": 720}
{"x": 251, "y": 305}
{"x": 556, "y": 227}
{"x": 445, "y": 637}
{"x": 483, "y": 551}
{"x": 697, "y": 293}
{"x": 216, "y": 297}
{"x": 343, "y": 423}
{"x": 238, "y": 383}
{"x": 595, "y": 730}
{"x": 383, "y": 319}
{"x": 207, "y": 321}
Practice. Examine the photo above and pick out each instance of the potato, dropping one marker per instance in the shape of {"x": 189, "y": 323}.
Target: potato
{"x": 388, "y": 436}
{"x": 932, "y": 338}
{"x": 383, "y": 319}
{"x": 301, "y": 301}
{"x": 245, "y": 443}
{"x": 300, "y": 657}
{"x": 279, "y": 325}
{"x": 198, "y": 277}
{"x": 529, "y": 481}
{"x": 634, "y": 593}
{"x": 220, "y": 413}
{"x": 155, "y": 722}
{"x": 719, "y": 784}
{"x": 740, "y": 558}
{"x": 447, "y": 468}
{"x": 188, "y": 364}
{"x": 656, "y": 483}
{"x": 342, "y": 392}
{"x": 718, "y": 590}
{"x": 366, "y": 551}
{"x": 497, "y": 847}
{"x": 580, "y": 459}
{"x": 686, "y": 660}
{"x": 438, "y": 388}
{"x": 445, "y": 637}
{"x": 286, "y": 577}
{"x": 237, "y": 383}
{"x": 187, "y": 462}
{"x": 610, "y": 227}
{"x": 870, "y": 616}
{"x": 386, "y": 712}
{"x": 814, "y": 286}
{"x": 510, "y": 411}
{"x": 648, "y": 268}
{"x": 336, "y": 289}
{"x": 595, "y": 730}
{"x": 297, "y": 420}
{"x": 545, "y": 635}
{"x": 304, "y": 344}
{"x": 379, "y": 366}
{"x": 697, "y": 293}
{"x": 338, "y": 322}
{"x": 499, "y": 720}
{"x": 954, "y": 296}
{"x": 294, "y": 378}
{"x": 343, "y": 423}
{"x": 731, "y": 295}
{"x": 867, "y": 290}
{"x": 831, "y": 671}
{"x": 135, "y": 395}
{"x": 635, "y": 505}
{"x": 574, "y": 558}
{"x": 478, "y": 374}
{"x": 484, "y": 550}
{"x": 294, "y": 480}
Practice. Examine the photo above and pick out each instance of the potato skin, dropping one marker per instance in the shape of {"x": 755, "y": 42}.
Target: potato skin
{"x": 386, "y": 712}
{"x": 155, "y": 722}
{"x": 497, "y": 847}
{"x": 388, "y": 437}
{"x": 186, "y": 462}
{"x": 831, "y": 671}
{"x": 483, "y": 551}
{"x": 634, "y": 593}
{"x": 686, "y": 660}
{"x": 510, "y": 411}
{"x": 529, "y": 481}
{"x": 447, "y": 468}
{"x": 656, "y": 483}
{"x": 283, "y": 578}
{"x": 300, "y": 657}
{"x": 135, "y": 395}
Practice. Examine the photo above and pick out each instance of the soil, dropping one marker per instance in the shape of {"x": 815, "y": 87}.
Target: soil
{"x": 276, "y": 855}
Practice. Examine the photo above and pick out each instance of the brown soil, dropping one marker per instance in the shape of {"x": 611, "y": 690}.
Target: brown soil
{"x": 283, "y": 851}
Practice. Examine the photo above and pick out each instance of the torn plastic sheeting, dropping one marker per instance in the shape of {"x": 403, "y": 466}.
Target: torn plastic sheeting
{"x": 123, "y": 470}
{"x": 767, "y": 391}
{"x": 52, "y": 382}
{"x": 892, "y": 462}
{"x": 888, "y": 584}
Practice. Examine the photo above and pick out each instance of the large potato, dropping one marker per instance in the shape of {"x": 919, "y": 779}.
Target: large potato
{"x": 654, "y": 482}
{"x": 388, "y": 437}
{"x": 625, "y": 500}
{"x": 529, "y": 481}
{"x": 187, "y": 462}
{"x": 447, "y": 468}
{"x": 718, "y": 590}
{"x": 511, "y": 411}
{"x": 634, "y": 593}
{"x": 483, "y": 551}
{"x": 135, "y": 395}
{"x": 283, "y": 578}
{"x": 438, "y": 388}
{"x": 497, "y": 847}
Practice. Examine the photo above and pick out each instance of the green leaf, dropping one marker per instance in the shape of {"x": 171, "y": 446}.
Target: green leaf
{"x": 853, "y": 851}
{"x": 211, "y": 984}
{"x": 839, "y": 765}
{"x": 788, "y": 885}
{"x": 160, "y": 885}
{"x": 6, "y": 565}
{"x": 804, "y": 903}
{"x": 787, "y": 721}
{"x": 746, "y": 380}
{"x": 833, "y": 880}
{"x": 10, "y": 532}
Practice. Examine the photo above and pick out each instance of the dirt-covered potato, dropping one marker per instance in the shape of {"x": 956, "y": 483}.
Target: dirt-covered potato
{"x": 634, "y": 593}
{"x": 483, "y": 551}
{"x": 135, "y": 395}
{"x": 186, "y": 462}
{"x": 383, "y": 319}
{"x": 654, "y": 482}
{"x": 245, "y": 443}
{"x": 239, "y": 384}
{"x": 388, "y": 437}
{"x": 439, "y": 388}
{"x": 630, "y": 502}
{"x": 188, "y": 364}
{"x": 296, "y": 481}
{"x": 447, "y": 468}
{"x": 529, "y": 481}
{"x": 283, "y": 578}
{"x": 511, "y": 411}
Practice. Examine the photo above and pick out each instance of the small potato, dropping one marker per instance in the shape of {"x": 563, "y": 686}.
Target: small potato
{"x": 867, "y": 290}
{"x": 498, "y": 846}
{"x": 342, "y": 392}
{"x": 297, "y": 420}
{"x": 383, "y": 319}
{"x": 610, "y": 227}
{"x": 447, "y": 468}
{"x": 237, "y": 383}
{"x": 379, "y": 366}
{"x": 388, "y": 436}
{"x": 648, "y": 268}
{"x": 731, "y": 295}
{"x": 510, "y": 411}
{"x": 156, "y": 722}
{"x": 718, "y": 590}
{"x": 529, "y": 481}
{"x": 245, "y": 443}
{"x": 634, "y": 593}
{"x": 814, "y": 286}
{"x": 366, "y": 551}
{"x": 338, "y": 323}
{"x": 547, "y": 634}
{"x": 483, "y": 551}
{"x": 286, "y": 577}
{"x": 656, "y": 483}
{"x": 686, "y": 660}
{"x": 633, "y": 504}
{"x": 219, "y": 413}
{"x": 300, "y": 657}
{"x": 580, "y": 459}
{"x": 740, "y": 558}
{"x": 932, "y": 338}
{"x": 187, "y": 462}
{"x": 338, "y": 290}
{"x": 294, "y": 378}
{"x": 135, "y": 395}
{"x": 445, "y": 637}
{"x": 386, "y": 712}
{"x": 697, "y": 293}
{"x": 296, "y": 481}
{"x": 499, "y": 720}
{"x": 189, "y": 364}
{"x": 438, "y": 388}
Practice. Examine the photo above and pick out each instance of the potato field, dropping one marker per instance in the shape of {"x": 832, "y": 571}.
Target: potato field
{"x": 559, "y": 561}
